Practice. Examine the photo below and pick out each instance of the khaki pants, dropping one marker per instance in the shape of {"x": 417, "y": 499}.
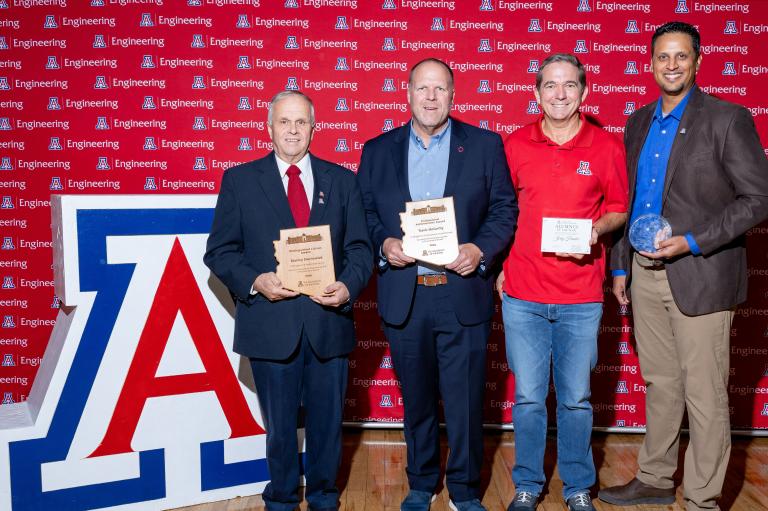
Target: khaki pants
{"x": 684, "y": 361}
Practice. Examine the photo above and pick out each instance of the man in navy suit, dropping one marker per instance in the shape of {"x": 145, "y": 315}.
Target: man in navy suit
{"x": 437, "y": 319}
{"x": 297, "y": 345}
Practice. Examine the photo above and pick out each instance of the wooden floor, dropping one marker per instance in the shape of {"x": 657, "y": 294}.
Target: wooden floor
{"x": 372, "y": 476}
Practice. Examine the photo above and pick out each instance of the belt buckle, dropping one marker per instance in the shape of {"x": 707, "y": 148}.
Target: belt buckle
{"x": 648, "y": 263}
{"x": 433, "y": 280}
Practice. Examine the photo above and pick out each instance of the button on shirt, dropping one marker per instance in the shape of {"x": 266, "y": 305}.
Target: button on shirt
{"x": 428, "y": 168}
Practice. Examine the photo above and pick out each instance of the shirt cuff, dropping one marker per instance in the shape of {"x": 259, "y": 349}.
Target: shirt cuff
{"x": 253, "y": 291}
{"x": 618, "y": 273}
{"x": 382, "y": 260}
{"x": 695, "y": 250}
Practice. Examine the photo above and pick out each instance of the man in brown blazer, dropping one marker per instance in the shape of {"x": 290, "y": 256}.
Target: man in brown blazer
{"x": 697, "y": 161}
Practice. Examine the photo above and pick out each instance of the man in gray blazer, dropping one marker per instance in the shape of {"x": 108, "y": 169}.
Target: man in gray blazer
{"x": 697, "y": 161}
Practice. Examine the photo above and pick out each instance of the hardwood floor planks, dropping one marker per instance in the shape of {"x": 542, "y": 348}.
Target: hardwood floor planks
{"x": 372, "y": 476}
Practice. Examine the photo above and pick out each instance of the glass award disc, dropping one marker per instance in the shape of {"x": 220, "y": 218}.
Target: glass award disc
{"x": 647, "y": 231}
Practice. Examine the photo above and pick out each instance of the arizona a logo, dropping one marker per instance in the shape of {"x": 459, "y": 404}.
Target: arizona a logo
{"x": 245, "y": 144}
{"x": 149, "y": 144}
{"x": 581, "y": 46}
{"x": 55, "y": 144}
{"x": 584, "y": 169}
{"x": 341, "y": 64}
{"x": 437, "y": 24}
{"x": 341, "y": 23}
{"x": 631, "y": 68}
{"x": 200, "y": 163}
{"x": 534, "y": 26}
{"x": 485, "y": 46}
{"x": 342, "y": 146}
{"x": 341, "y": 105}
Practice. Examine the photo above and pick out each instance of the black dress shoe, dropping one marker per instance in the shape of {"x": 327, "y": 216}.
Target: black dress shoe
{"x": 636, "y": 492}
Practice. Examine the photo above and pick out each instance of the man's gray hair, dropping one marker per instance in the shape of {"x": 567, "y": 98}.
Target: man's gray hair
{"x": 286, "y": 94}
{"x": 562, "y": 57}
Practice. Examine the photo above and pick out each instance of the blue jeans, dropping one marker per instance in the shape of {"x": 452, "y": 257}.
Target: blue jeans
{"x": 566, "y": 335}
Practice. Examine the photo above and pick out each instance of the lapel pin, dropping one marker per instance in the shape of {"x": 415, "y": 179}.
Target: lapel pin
{"x": 460, "y": 148}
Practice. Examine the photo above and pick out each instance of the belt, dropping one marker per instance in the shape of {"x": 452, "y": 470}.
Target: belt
{"x": 431, "y": 280}
{"x": 648, "y": 263}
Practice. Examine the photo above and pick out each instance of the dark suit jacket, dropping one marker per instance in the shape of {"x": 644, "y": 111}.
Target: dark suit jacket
{"x": 252, "y": 208}
{"x": 486, "y": 214}
{"x": 716, "y": 187}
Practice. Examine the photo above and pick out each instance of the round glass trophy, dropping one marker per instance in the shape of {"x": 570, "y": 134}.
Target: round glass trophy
{"x": 647, "y": 231}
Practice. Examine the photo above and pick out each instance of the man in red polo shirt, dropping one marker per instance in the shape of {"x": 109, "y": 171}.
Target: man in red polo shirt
{"x": 563, "y": 167}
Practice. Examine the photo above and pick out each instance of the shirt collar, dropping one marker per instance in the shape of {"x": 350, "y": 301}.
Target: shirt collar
{"x": 303, "y": 165}
{"x": 676, "y": 112}
{"x": 583, "y": 138}
{"x": 437, "y": 138}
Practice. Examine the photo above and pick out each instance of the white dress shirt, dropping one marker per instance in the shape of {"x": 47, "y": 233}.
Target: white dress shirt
{"x": 305, "y": 166}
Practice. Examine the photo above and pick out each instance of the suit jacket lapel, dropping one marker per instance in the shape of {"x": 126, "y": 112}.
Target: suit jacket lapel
{"x": 455, "y": 158}
{"x": 272, "y": 184}
{"x": 682, "y": 138}
{"x": 322, "y": 176}
{"x": 635, "y": 147}
{"x": 400, "y": 160}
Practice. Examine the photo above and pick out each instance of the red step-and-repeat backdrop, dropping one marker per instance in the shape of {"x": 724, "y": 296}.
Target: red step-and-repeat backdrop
{"x": 154, "y": 96}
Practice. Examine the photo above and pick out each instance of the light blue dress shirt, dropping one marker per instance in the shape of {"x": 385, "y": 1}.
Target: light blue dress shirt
{"x": 428, "y": 169}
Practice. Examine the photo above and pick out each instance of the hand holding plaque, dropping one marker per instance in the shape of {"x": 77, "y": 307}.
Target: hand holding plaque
{"x": 305, "y": 259}
{"x": 429, "y": 231}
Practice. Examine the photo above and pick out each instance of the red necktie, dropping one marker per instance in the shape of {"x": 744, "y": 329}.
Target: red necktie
{"x": 297, "y": 197}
